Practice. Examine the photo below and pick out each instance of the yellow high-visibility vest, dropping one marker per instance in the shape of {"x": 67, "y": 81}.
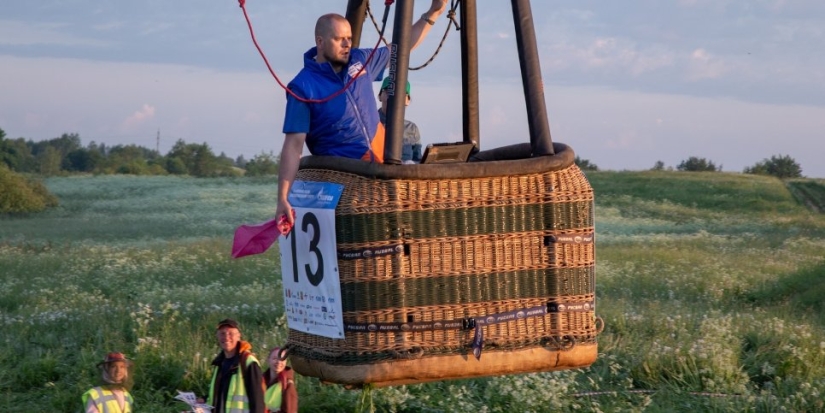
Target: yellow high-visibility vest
{"x": 272, "y": 397}
{"x": 237, "y": 401}
{"x": 106, "y": 402}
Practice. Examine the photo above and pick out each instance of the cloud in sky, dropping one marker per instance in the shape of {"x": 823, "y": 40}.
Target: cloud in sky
{"x": 109, "y": 26}
{"x": 705, "y": 66}
{"x": 121, "y": 103}
{"x": 154, "y": 28}
{"x": 626, "y": 83}
{"x": 146, "y": 113}
{"x": 19, "y": 34}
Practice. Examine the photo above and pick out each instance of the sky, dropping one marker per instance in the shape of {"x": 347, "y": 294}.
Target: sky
{"x": 626, "y": 84}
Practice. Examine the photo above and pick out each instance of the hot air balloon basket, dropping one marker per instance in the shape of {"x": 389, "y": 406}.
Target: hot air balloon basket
{"x": 457, "y": 271}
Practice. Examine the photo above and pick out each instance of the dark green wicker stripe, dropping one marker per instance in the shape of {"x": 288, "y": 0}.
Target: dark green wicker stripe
{"x": 467, "y": 289}
{"x": 568, "y": 215}
{"x": 460, "y": 222}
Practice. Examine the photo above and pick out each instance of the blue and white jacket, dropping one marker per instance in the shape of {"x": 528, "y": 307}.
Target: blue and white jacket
{"x": 348, "y": 124}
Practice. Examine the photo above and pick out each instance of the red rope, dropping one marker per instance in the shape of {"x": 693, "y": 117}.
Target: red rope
{"x": 277, "y": 79}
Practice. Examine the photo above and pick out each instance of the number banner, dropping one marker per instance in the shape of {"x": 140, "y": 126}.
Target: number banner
{"x": 309, "y": 261}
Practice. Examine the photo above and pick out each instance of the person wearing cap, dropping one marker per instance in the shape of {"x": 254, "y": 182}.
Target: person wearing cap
{"x": 113, "y": 395}
{"x": 412, "y": 137}
{"x": 281, "y": 395}
{"x": 237, "y": 383}
{"x": 346, "y": 124}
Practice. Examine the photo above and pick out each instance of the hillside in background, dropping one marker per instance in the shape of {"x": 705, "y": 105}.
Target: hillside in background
{"x": 766, "y": 211}
{"x": 701, "y": 192}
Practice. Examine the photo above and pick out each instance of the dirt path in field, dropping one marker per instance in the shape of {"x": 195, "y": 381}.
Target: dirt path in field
{"x": 804, "y": 198}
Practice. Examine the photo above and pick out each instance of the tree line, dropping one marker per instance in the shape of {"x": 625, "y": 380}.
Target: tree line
{"x": 66, "y": 154}
{"x": 21, "y": 158}
{"x": 780, "y": 166}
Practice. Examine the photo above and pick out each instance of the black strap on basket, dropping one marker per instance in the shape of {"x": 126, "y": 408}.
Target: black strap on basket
{"x": 476, "y": 323}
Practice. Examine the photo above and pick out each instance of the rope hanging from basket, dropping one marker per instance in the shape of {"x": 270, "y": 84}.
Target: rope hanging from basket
{"x": 387, "y": 4}
{"x": 450, "y": 15}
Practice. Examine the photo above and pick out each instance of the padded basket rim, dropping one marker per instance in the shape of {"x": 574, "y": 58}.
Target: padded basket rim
{"x": 523, "y": 165}
{"x": 459, "y": 366}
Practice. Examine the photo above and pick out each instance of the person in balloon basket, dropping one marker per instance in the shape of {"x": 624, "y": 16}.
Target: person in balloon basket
{"x": 347, "y": 124}
{"x": 411, "y": 149}
{"x": 236, "y": 374}
{"x": 112, "y": 396}
{"x": 281, "y": 395}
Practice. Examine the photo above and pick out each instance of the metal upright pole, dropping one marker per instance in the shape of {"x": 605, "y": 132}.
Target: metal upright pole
{"x": 528, "y": 54}
{"x": 356, "y": 12}
{"x": 397, "y": 91}
{"x": 469, "y": 72}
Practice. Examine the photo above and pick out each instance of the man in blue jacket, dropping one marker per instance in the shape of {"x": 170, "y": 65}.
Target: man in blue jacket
{"x": 346, "y": 125}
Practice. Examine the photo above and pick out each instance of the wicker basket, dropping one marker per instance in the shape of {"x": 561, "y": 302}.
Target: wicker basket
{"x": 501, "y": 248}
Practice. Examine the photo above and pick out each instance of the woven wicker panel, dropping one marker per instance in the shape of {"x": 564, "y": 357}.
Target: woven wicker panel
{"x": 459, "y": 249}
{"x": 559, "y": 331}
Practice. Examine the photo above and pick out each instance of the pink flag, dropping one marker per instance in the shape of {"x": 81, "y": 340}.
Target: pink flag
{"x": 255, "y": 239}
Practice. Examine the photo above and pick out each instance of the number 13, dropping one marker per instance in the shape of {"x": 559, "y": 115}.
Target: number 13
{"x": 308, "y": 220}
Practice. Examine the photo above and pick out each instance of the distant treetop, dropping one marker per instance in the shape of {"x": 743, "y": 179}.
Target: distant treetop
{"x": 780, "y": 166}
{"x": 695, "y": 164}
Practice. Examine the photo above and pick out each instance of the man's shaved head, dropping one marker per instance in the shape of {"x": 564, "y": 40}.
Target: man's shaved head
{"x": 325, "y": 23}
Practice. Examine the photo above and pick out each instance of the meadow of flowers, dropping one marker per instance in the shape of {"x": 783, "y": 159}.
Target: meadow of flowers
{"x": 709, "y": 285}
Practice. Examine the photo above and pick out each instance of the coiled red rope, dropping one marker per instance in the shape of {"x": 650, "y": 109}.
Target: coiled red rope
{"x": 242, "y": 3}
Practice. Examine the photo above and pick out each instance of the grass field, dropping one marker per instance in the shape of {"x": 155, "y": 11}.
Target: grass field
{"x": 709, "y": 285}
